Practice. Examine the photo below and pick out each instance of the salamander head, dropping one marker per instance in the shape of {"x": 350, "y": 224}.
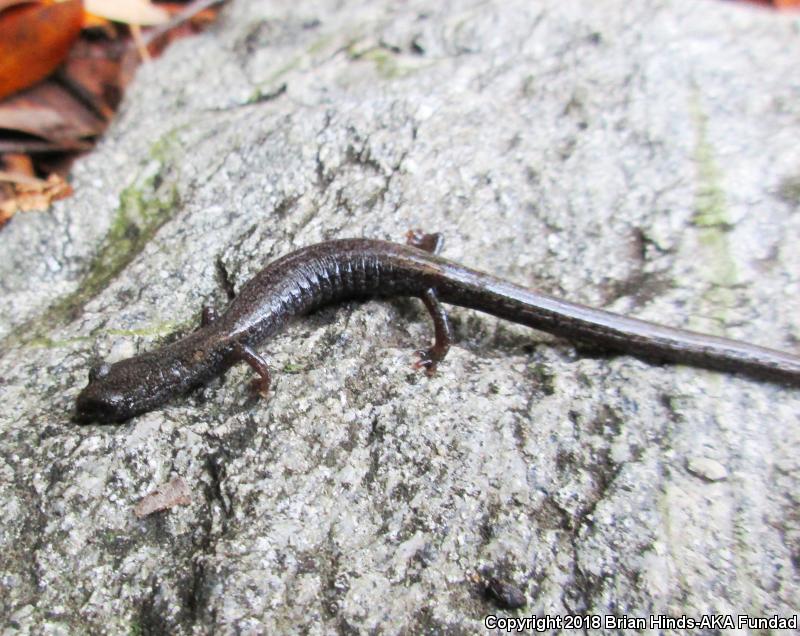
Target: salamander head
{"x": 119, "y": 391}
{"x": 116, "y": 392}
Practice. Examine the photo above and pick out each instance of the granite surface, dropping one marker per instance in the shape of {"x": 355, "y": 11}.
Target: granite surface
{"x": 641, "y": 157}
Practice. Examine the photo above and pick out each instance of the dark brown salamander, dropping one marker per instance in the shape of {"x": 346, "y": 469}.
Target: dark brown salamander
{"x": 359, "y": 268}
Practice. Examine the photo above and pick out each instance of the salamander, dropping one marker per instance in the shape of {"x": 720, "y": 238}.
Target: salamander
{"x": 344, "y": 269}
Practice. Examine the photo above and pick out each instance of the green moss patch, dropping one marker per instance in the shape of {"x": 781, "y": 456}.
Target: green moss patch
{"x": 144, "y": 206}
{"x": 711, "y": 217}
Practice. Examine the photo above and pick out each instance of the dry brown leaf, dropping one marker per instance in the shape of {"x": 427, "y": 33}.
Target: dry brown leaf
{"x": 51, "y": 112}
{"x": 43, "y": 127}
{"x": 5, "y": 4}
{"x": 7, "y": 176}
{"x": 779, "y": 5}
{"x": 34, "y": 39}
{"x": 18, "y": 164}
{"x": 194, "y": 14}
{"x": 36, "y": 194}
{"x": 93, "y": 73}
{"x": 174, "y": 493}
{"x": 140, "y": 12}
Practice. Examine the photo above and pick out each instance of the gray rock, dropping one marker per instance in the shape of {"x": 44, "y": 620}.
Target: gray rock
{"x": 642, "y": 157}
{"x": 706, "y": 468}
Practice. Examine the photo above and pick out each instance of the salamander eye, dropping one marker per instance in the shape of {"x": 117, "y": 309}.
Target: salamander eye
{"x": 98, "y": 371}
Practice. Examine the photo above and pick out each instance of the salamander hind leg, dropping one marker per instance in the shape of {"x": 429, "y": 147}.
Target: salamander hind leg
{"x": 262, "y": 383}
{"x": 432, "y": 243}
{"x": 430, "y": 357}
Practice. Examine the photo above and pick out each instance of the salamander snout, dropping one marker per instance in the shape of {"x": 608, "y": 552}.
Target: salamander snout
{"x": 102, "y": 406}
{"x": 117, "y": 392}
{"x": 104, "y": 399}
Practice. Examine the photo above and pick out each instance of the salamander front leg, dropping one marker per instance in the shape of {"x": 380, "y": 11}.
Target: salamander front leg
{"x": 432, "y": 243}
{"x": 207, "y": 316}
{"x": 258, "y": 364}
{"x": 429, "y": 358}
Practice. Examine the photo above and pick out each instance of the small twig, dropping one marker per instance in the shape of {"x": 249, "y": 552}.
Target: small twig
{"x": 141, "y": 45}
{"x": 31, "y": 146}
{"x": 191, "y": 10}
{"x": 83, "y": 95}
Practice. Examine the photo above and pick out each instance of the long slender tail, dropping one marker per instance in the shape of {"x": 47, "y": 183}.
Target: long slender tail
{"x": 486, "y": 293}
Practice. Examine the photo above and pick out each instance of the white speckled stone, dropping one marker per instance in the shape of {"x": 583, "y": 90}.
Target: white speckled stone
{"x": 706, "y": 468}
